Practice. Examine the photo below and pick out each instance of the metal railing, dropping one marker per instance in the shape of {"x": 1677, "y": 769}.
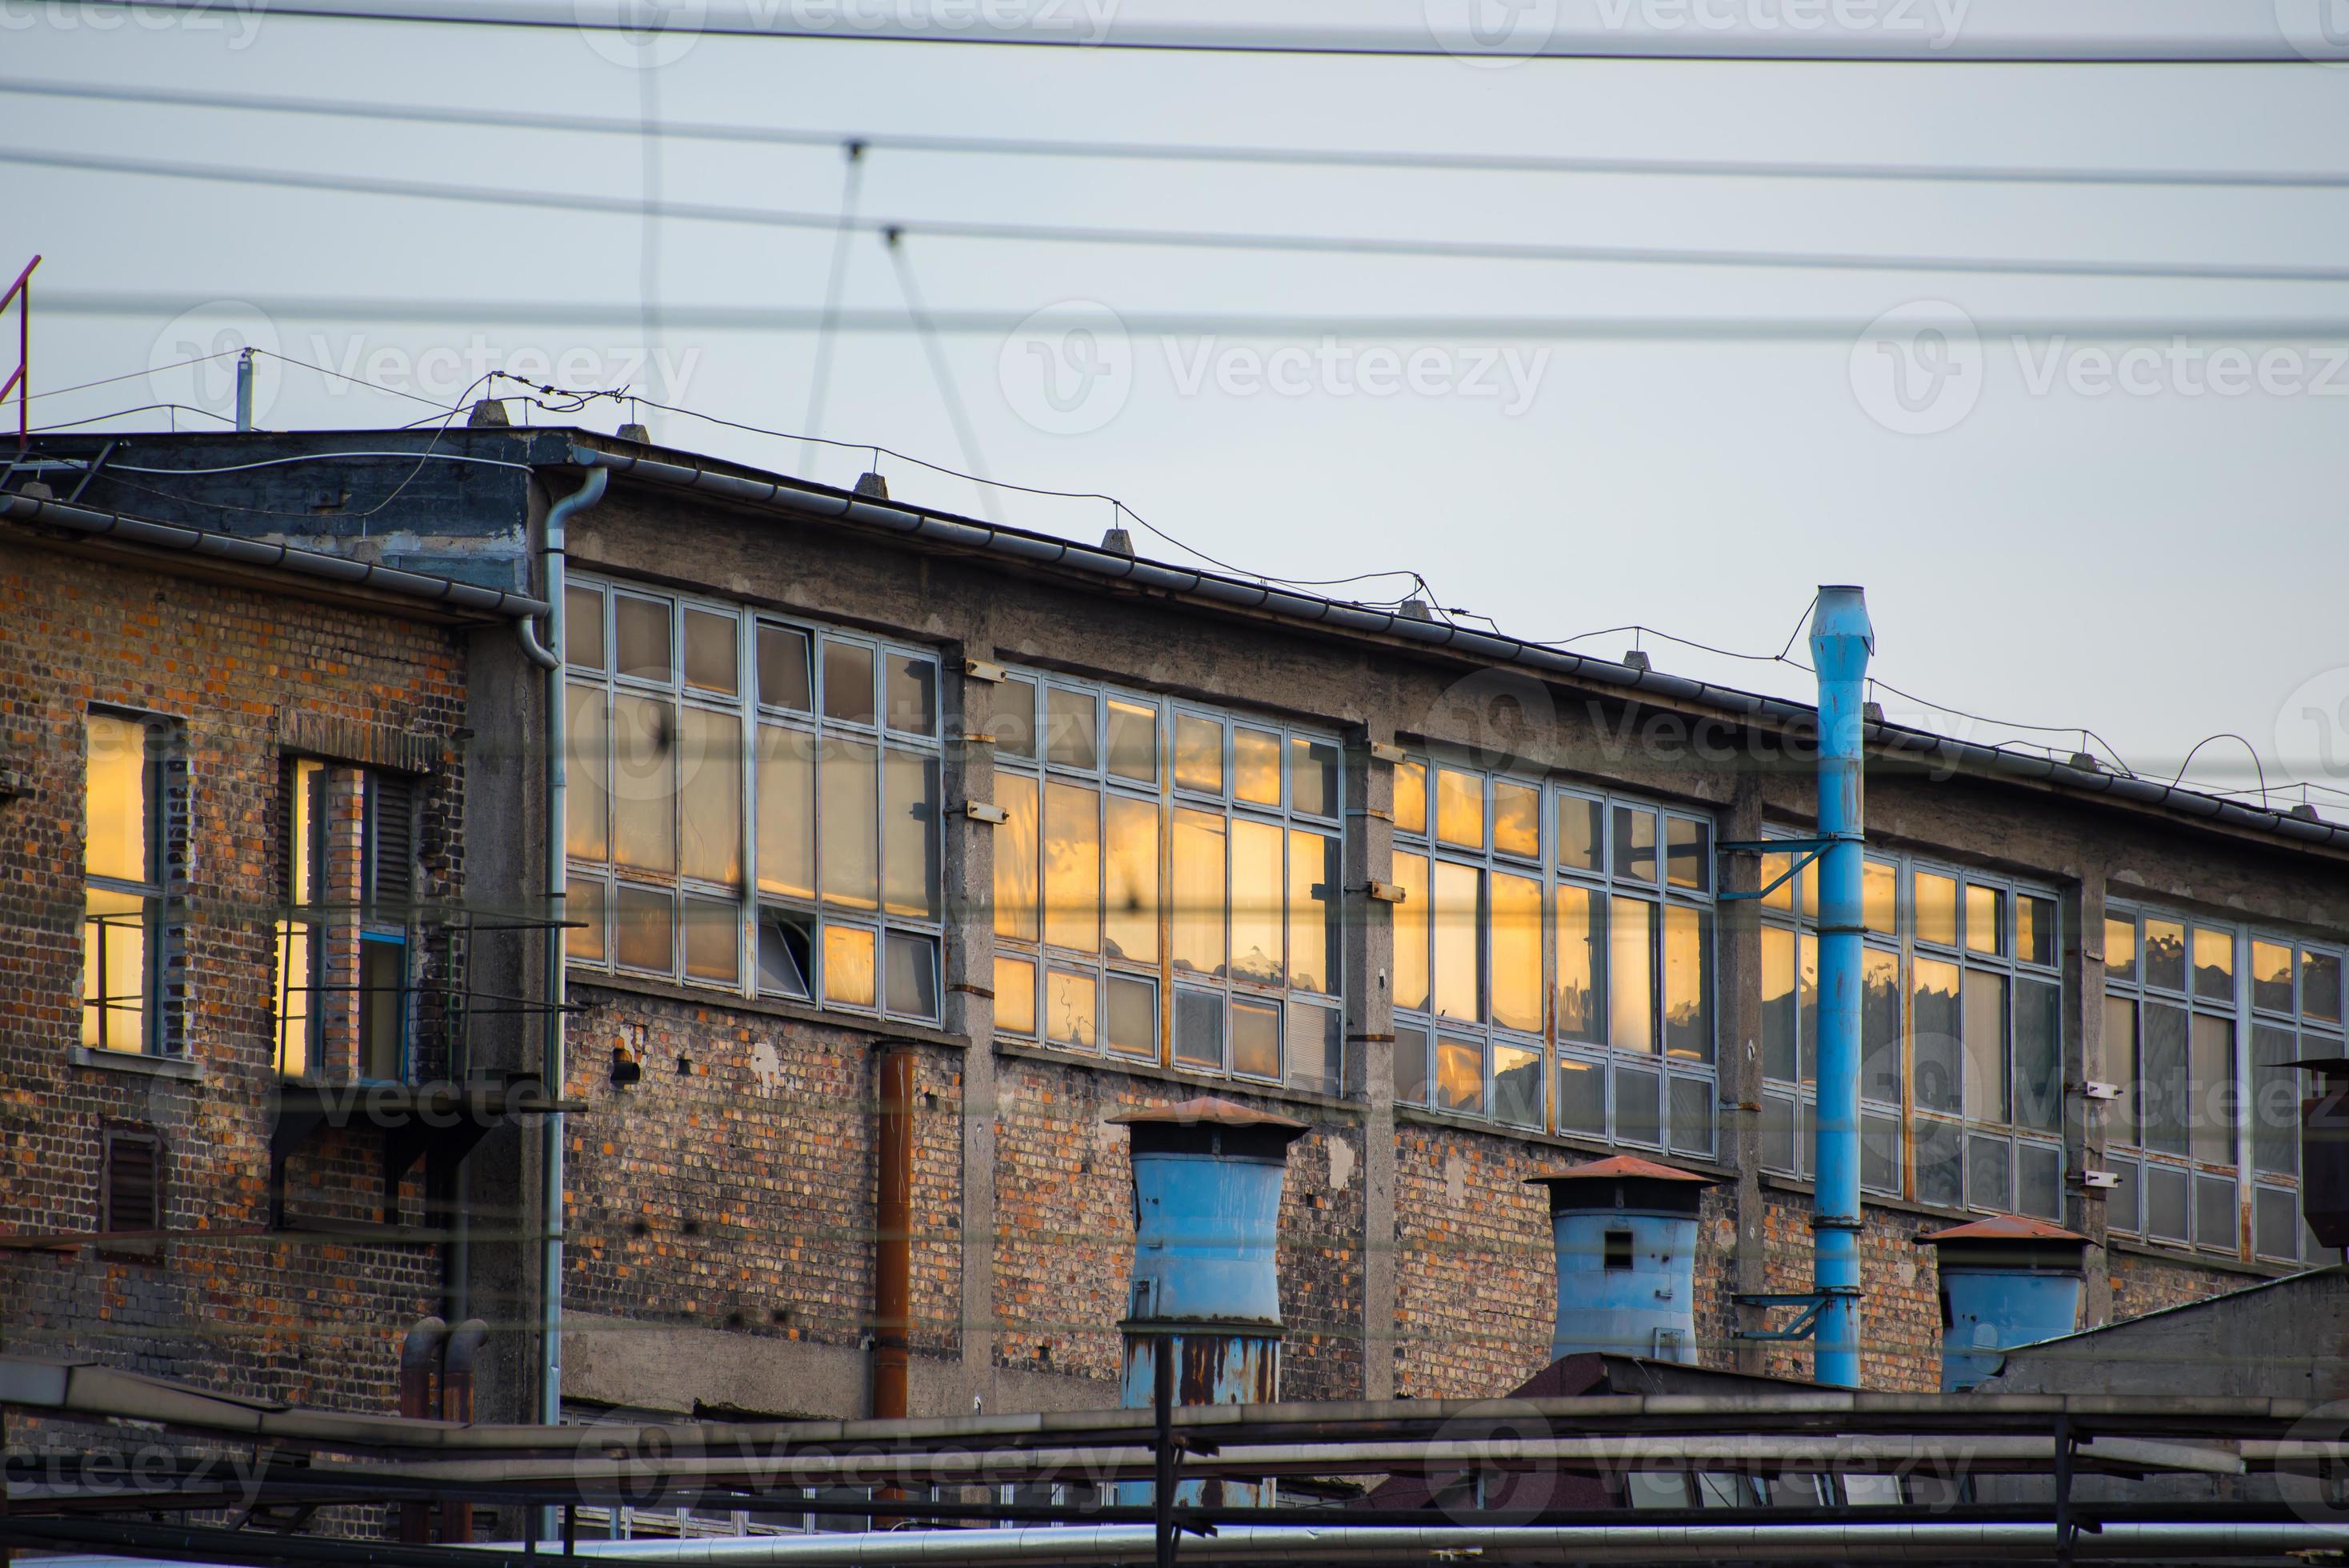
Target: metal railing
{"x": 20, "y": 382}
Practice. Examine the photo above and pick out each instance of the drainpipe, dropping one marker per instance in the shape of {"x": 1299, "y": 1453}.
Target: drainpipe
{"x": 1206, "y": 1291}
{"x": 2004, "y": 1282}
{"x": 1626, "y": 1237}
{"x": 549, "y": 657}
{"x": 419, "y": 1359}
{"x": 892, "y": 1242}
{"x": 1841, "y": 641}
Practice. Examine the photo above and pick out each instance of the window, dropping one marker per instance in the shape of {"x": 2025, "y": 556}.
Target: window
{"x": 133, "y": 831}
{"x": 1550, "y": 937}
{"x": 344, "y": 985}
{"x": 2201, "y": 1021}
{"x": 754, "y": 804}
{"x": 1961, "y": 1041}
{"x": 1168, "y": 882}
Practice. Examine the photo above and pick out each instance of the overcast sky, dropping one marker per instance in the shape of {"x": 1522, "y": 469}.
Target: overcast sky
{"x": 2051, "y": 533}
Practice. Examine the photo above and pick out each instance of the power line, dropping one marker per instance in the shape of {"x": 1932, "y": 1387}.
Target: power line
{"x": 942, "y": 372}
{"x": 1596, "y": 328}
{"x": 1366, "y": 245}
{"x": 1192, "y": 152}
{"x": 852, "y": 185}
{"x": 1877, "y": 46}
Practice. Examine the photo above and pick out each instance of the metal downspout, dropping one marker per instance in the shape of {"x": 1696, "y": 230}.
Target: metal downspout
{"x": 1841, "y": 641}
{"x": 550, "y": 659}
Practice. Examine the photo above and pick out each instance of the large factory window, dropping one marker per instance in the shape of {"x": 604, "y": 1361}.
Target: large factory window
{"x": 1168, "y": 882}
{"x": 754, "y": 803}
{"x": 1961, "y": 1058}
{"x": 133, "y": 832}
{"x": 2203, "y": 1020}
{"x": 1550, "y": 937}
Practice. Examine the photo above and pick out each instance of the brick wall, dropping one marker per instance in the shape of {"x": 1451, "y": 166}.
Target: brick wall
{"x": 282, "y": 1316}
{"x": 2143, "y": 1285}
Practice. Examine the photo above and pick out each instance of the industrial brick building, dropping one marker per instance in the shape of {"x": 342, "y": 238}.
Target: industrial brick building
{"x": 1074, "y": 833}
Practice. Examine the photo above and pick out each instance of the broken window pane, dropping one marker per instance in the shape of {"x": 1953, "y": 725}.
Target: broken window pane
{"x": 1072, "y": 860}
{"x": 1933, "y": 1008}
{"x": 1635, "y": 843}
{"x": 847, "y": 682}
{"x": 1581, "y": 988}
{"x": 1460, "y": 808}
{"x": 2038, "y": 1055}
{"x": 1516, "y": 934}
{"x": 1015, "y": 995}
{"x": 1070, "y": 1012}
{"x": 1460, "y": 1075}
{"x": 1517, "y": 1085}
{"x": 1688, "y": 983}
{"x": 1012, "y": 720}
{"x": 1581, "y": 830}
{"x": 642, "y": 632}
{"x": 644, "y": 918}
{"x": 848, "y": 815}
{"x": 1410, "y": 932}
{"x": 783, "y": 668}
{"x": 1688, "y": 858}
{"x": 1986, "y": 1055}
{"x": 585, "y": 825}
{"x": 1199, "y": 1030}
{"x": 1015, "y": 858}
{"x": 913, "y": 977}
{"x": 1255, "y": 1037}
{"x": 2214, "y": 964}
{"x": 1198, "y": 754}
{"x": 1879, "y": 1025}
{"x": 1256, "y": 762}
{"x": 1937, "y": 908}
{"x": 909, "y": 835}
{"x": 1312, "y": 777}
{"x": 1985, "y": 919}
{"x": 2271, "y": 975}
{"x": 1257, "y": 886}
{"x": 786, "y": 811}
{"x": 1199, "y": 903}
{"x": 583, "y": 626}
{"x": 786, "y": 954}
{"x": 1632, "y": 968}
{"x": 2165, "y": 955}
{"x": 1410, "y": 797}
{"x": 1131, "y": 863}
{"x": 1314, "y": 875}
{"x": 1134, "y": 741}
{"x": 913, "y": 694}
{"x": 1131, "y": 1016}
{"x": 644, "y": 783}
{"x": 1517, "y": 819}
{"x": 712, "y": 658}
{"x": 1457, "y": 910}
{"x": 711, "y": 758}
{"x": 848, "y": 965}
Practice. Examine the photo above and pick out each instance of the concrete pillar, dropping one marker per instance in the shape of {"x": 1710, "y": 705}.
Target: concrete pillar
{"x": 969, "y": 889}
{"x": 1737, "y": 1002}
{"x": 2084, "y": 1062}
{"x": 1369, "y": 1034}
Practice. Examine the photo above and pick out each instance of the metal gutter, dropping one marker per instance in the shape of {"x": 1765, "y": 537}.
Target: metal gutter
{"x": 470, "y": 598}
{"x": 1025, "y": 548}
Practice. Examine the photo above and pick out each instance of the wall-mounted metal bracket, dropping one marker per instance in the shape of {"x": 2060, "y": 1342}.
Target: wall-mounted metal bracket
{"x": 1810, "y": 850}
{"x": 1807, "y": 1322}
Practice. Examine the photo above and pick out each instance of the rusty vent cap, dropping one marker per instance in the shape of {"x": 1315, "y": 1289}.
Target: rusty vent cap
{"x": 1620, "y": 1168}
{"x": 1206, "y": 1110}
{"x": 2005, "y": 1228}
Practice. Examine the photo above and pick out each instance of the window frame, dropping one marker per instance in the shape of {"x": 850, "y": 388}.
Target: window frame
{"x": 163, "y": 788}
{"x": 821, "y": 913}
{"x": 1294, "y": 1008}
{"x": 1678, "y": 1079}
{"x": 1976, "y": 1140}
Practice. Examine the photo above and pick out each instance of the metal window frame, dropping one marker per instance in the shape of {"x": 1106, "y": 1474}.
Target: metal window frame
{"x": 163, "y": 934}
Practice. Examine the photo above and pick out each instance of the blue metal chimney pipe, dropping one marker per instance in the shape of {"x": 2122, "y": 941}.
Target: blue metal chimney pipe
{"x": 1626, "y": 1231}
{"x": 1205, "y": 1289}
{"x": 1841, "y": 641}
{"x": 2004, "y": 1282}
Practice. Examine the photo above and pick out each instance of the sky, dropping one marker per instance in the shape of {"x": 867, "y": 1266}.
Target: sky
{"x": 2052, "y": 529}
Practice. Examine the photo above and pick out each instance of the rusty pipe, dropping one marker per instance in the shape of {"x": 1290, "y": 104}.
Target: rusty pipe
{"x": 892, "y": 1238}
{"x": 419, "y": 1359}
{"x": 462, "y": 1348}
